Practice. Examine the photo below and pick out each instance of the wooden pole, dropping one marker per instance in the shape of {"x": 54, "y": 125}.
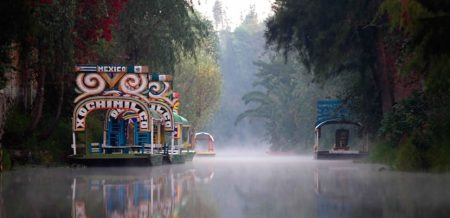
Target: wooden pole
{"x": 189, "y": 138}
{"x": 151, "y": 138}
{"x": 105, "y": 129}
{"x": 172, "y": 142}
{"x": 74, "y": 143}
{"x": 180, "y": 137}
{"x": 159, "y": 134}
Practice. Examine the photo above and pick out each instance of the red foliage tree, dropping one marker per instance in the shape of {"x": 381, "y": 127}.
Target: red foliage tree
{"x": 95, "y": 20}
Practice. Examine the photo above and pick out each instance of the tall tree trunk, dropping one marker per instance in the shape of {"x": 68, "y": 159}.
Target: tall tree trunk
{"x": 54, "y": 125}
{"x": 24, "y": 82}
{"x": 384, "y": 74}
{"x": 40, "y": 98}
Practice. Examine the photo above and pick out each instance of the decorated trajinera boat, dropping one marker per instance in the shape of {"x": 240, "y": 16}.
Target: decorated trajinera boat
{"x": 204, "y": 144}
{"x": 336, "y": 135}
{"x": 141, "y": 122}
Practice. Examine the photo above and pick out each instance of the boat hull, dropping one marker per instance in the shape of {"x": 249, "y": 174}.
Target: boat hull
{"x": 189, "y": 155}
{"x": 206, "y": 153}
{"x": 174, "y": 159}
{"x": 117, "y": 159}
{"x": 327, "y": 155}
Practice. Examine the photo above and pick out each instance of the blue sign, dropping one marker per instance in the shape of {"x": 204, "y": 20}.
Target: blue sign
{"x": 331, "y": 109}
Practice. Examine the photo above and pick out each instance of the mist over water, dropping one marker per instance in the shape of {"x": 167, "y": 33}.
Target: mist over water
{"x": 228, "y": 185}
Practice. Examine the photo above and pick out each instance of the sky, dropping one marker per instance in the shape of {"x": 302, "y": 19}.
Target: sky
{"x": 235, "y": 9}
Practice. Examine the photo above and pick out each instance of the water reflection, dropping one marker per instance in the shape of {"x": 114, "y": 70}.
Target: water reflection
{"x": 348, "y": 191}
{"x": 164, "y": 195}
{"x": 109, "y": 192}
{"x": 340, "y": 191}
{"x": 225, "y": 187}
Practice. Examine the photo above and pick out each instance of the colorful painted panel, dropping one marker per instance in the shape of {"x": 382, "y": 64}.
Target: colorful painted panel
{"x": 83, "y": 108}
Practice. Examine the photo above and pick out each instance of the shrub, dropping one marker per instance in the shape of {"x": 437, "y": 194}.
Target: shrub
{"x": 408, "y": 157}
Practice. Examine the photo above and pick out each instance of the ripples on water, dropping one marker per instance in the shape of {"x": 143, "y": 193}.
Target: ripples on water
{"x": 227, "y": 186}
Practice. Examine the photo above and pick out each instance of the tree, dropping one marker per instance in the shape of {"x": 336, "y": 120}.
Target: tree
{"x": 95, "y": 22}
{"x": 331, "y": 38}
{"x": 421, "y": 26}
{"x": 389, "y": 47}
{"x": 160, "y": 32}
{"x": 51, "y": 36}
{"x": 286, "y": 101}
{"x": 200, "y": 83}
{"x": 238, "y": 50}
{"x": 219, "y": 14}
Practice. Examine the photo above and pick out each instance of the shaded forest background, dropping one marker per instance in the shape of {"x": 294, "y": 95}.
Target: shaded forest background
{"x": 388, "y": 60}
{"x": 42, "y": 40}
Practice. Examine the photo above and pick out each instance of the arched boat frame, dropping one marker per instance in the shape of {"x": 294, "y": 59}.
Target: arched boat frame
{"x": 84, "y": 107}
{"x": 211, "y": 145}
{"x": 325, "y": 154}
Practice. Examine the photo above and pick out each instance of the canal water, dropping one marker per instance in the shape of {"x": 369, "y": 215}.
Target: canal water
{"x": 227, "y": 186}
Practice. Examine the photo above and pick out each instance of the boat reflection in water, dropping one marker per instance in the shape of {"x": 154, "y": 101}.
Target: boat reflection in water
{"x": 349, "y": 191}
{"x": 166, "y": 195}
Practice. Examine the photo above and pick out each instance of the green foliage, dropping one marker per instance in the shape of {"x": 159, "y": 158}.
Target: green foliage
{"x": 438, "y": 155}
{"x": 406, "y": 116}
{"x": 400, "y": 14}
{"x": 330, "y": 37}
{"x": 53, "y": 148}
{"x": 106, "y": 51}
{"x": 383, "y": 152}
{"x": 199, "y": 81}
{"x": 333, "y": 40}
{"x": 417, "y": 136}
{"x": 59, "y": 141}
{"x": 6, "y": 159}
{"x": 13, "y": 30}
{"x": 16, "y": 125}
{"x": 406, "y": 132}
{"x": 286, "y": 102}
{"x": 95, "y": 124}
{"x": 409, "y": 157}
{"x": 239, "y": 49}
{"x": 424, "y": 24}
{"x": 155, "y": 33}
{"x": 342, "y": 37}
{"x": 159, "y": 32}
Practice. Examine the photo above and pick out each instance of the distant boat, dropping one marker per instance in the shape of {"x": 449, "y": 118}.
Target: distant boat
{"x": 341, "y": 148}
{"x": 347, "y": 142}
{"x": 201, "y": 137}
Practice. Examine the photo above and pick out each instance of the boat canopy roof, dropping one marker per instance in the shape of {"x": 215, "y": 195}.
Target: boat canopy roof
{"x": 203, "y": 136}
{"x": 336, "y": 121}
{"x": 180, "y": 120}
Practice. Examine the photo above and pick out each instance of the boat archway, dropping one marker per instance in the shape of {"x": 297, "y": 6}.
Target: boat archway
{"x": 344, "y": 140}
{"x": 205, "y": 137}
{"x": 88, "y": 105}
{"x": 166, "y": 113}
